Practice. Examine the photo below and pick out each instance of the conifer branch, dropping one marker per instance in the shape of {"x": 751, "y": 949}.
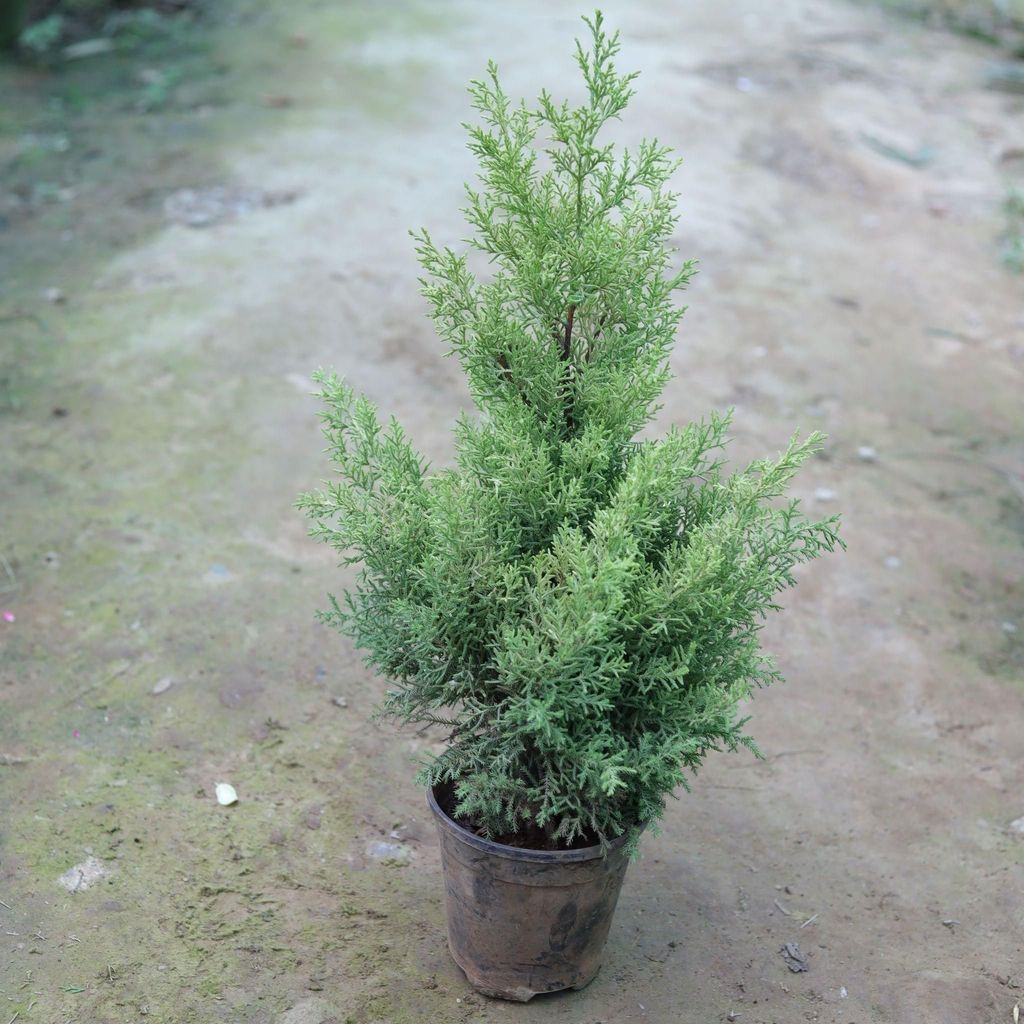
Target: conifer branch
{"x": 567, "y": 337}
{"x": 580, "y": 610}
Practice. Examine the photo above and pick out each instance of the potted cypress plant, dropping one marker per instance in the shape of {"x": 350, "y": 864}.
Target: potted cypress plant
{"x": 578, "y": 609}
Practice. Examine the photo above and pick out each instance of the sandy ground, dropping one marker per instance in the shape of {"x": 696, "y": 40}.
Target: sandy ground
{"x": 156, "y": 427}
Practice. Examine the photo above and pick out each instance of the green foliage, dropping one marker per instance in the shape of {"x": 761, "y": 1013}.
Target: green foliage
{"x": 42, "y": 36}
{"x": 578, "y": 608}
{"x": 1013, "y": 231}
{"x": 82, "y": 22}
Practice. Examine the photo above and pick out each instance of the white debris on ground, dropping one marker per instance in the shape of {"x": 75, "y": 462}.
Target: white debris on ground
{"x": 83, "y": 876}
{"x": 866, "y": 453}
{"x": 388, "y": 851}
{"x": 824, "y": 494}
{"x": 217, "y": 573}
{"x": 200, "y": 208}
{"x": 1017, "y": 826}
{"x": 226, "y": 795}
{"x": 310, "y": 1011}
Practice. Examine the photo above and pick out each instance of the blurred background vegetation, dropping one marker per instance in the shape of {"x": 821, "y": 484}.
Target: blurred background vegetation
{"x": 991, "y": 20}
{"x": 39, "y": 27}
{"x": 42, "y": 28}
{"x": 58, "y": 38}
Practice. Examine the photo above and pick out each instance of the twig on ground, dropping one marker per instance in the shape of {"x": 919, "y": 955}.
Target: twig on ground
{"x": 10, "y": 759}
{"x": 94, "y": 686}
{"x": 774, "y": 757}
{"x": 9, "y": 572}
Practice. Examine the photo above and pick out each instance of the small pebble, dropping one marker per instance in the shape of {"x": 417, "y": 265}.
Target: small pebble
{"x": 824, "y": 494}
{"x": 892, "y": 562}
{"x": 387, "y": 851}
{"x": 54, "y": 295}
{"x": 83, "y": 876}
{"x": 1017, "y": 826}
{"x": 163, "y": 686}
{"x": 866, "y": 453}
{"x": 795, "y": 958}
{"x": 341, "y": 702}
{"x": 842, "y": 992}
{"x": 1008, "y": 627}
{"x": 226, "y": 795}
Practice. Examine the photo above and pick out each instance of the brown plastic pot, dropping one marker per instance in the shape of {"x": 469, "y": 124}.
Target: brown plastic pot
{"x": 522, "y": 922}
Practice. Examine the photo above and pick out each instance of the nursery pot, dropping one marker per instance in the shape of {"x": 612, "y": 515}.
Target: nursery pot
{"x": 522, "y": 921}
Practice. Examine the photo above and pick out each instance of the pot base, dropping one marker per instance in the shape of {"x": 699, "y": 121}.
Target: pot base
{"x": 518, "y": 994}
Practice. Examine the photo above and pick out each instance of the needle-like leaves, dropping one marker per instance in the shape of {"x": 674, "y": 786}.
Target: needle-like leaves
{"x": 580, "y": 610}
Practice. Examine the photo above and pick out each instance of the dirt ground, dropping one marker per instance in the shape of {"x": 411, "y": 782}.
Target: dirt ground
{"x": 175, "y": 260}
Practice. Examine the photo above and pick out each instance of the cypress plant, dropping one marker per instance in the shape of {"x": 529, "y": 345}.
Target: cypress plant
{"x": 578, "y": 609}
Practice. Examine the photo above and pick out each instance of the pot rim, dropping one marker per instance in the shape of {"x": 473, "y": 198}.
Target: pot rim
{"x": 519, "y": 853}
